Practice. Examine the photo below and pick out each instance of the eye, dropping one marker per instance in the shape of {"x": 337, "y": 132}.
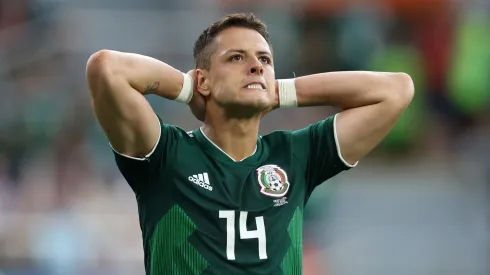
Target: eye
{"x": 236, "y": 57}
{"x": 265, "y": 59}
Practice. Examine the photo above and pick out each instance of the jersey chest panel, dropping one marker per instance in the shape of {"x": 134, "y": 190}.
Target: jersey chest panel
{"x": 211, "y": 185}
{"x": 242, "y": 213}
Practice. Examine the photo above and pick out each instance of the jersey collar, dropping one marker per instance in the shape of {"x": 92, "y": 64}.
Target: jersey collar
{"x": 216, "y": 152}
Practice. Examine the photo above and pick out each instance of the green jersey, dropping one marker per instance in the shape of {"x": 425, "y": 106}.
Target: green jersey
{"x": 201, "y": 212}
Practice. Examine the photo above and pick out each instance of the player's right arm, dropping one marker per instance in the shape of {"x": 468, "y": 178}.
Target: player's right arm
{"x": 118, "y": 82}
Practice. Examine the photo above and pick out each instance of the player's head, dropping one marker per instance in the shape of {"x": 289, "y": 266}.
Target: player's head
{"x": 231, "y": 54}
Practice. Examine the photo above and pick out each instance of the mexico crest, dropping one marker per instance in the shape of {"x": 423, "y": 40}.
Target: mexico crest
{"x": 273, "y": 180}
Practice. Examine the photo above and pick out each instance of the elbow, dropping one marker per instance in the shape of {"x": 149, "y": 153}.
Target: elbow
{"x": 99, "y": 70}
{"x": 401, "y": 89}
{"x": 99, "y": 63}
{"x": 406, "y": 85}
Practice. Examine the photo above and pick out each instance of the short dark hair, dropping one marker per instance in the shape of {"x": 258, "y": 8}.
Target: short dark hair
{"x": 203, "y": 46}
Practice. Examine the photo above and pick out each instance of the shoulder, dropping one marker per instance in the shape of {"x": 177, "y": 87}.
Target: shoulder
{"x": 175, "y": 134}
{"x": 281, "y": 142}
{"x": 279, "y": 136}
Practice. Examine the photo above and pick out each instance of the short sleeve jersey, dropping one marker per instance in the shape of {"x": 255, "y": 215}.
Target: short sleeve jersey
{"x": 203, "y": 213}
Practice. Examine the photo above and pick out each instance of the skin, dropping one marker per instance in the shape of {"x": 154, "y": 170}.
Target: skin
{"x": 376, "y": 99}
{"x": 233, "y": 111}
{"x": 371, "y": 101}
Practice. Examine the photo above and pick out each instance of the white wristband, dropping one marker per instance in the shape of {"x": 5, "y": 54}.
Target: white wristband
{"x": 287, "y": 93}
{"x": 187, "y": 90}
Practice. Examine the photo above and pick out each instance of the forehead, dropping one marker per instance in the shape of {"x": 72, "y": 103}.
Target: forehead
{"x": 240, "y": 38}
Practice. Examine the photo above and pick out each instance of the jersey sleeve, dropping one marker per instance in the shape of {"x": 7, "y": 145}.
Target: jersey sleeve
{"x": 138, "y": 172}
{"x": 317, "y": 149}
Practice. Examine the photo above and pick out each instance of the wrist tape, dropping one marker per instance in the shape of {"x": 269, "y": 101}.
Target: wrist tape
{"x": 187, "y": 90}
{"x": 287, "y": 93}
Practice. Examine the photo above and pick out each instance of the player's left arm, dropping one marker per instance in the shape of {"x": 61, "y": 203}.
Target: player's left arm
{"x": 371, "y": 102}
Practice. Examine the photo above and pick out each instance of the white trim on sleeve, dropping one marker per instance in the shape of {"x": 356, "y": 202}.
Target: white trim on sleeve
{"x": 338, "y": 146}
{"x": 147, "y": 155}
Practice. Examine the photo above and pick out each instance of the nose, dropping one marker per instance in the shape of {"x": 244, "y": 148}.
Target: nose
{"x": 256, "y": 68}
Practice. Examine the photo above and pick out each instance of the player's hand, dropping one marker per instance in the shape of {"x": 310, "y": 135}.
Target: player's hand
{"x": 274, "y": 104}
{"x": 198, "y": 102}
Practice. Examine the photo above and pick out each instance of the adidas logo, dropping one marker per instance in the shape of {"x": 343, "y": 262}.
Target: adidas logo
{"x": 201, "y": 180}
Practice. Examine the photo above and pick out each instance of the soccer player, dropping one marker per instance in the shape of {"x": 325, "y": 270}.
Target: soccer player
{"x": 221, "y": 199}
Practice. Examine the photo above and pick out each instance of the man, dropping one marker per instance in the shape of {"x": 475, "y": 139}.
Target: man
{"x": 221, "y": 199}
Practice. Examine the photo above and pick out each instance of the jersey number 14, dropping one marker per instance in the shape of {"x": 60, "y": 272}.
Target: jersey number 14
{"x": 259, "y": 234}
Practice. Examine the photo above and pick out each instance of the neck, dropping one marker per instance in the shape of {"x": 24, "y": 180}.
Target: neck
{"x": 237, "y": 137}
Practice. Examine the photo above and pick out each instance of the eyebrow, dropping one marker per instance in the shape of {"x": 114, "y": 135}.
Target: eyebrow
{"x": 244, "y": 52}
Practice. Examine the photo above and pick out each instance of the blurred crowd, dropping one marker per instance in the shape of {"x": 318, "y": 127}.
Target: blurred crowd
{"x": 64, "y": 207}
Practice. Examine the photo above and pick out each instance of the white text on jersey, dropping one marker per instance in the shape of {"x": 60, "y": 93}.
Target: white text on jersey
{"x": 201, "y": 180}
{"x": 280, "y": 202}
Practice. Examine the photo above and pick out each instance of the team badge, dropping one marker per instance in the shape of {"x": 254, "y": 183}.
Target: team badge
{"x": 273, "y": 180}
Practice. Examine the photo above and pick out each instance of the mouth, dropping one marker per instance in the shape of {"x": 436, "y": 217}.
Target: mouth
{"x": 255, "y": 85}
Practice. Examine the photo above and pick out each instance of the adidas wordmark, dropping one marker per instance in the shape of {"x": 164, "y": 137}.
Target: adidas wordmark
{"x": 201, "y": 180}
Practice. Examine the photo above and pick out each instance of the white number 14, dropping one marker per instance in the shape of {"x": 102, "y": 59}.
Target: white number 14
{"x": 229, "y": 215}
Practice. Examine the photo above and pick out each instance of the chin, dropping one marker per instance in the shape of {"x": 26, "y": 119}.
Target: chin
{"x": 248, "y": 108}
{"x": 257, "y": 102}
{"x": 258, "y": 106}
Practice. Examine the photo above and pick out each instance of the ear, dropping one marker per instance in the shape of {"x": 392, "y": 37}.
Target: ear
{"x": 203, "y": 82}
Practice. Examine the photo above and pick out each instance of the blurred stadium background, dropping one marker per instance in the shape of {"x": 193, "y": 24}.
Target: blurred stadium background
{"x": 418, "y": 205}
